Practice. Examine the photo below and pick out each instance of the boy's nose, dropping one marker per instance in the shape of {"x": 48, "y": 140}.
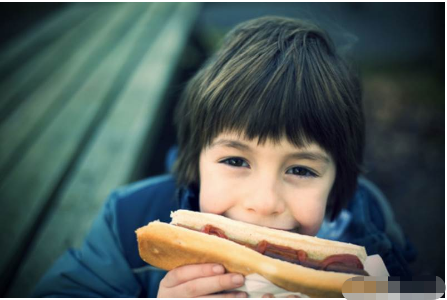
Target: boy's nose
{"x": 264, "y": 200}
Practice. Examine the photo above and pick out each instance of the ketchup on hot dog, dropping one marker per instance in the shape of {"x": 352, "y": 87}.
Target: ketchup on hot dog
{"x": 343, "y": 263}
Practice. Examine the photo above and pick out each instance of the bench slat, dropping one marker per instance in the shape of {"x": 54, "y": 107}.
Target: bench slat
{"x": 35, "y": 178}
{"x": 23, "y": 47}
{"x": 25, "y": 124}
{"x": 43, "y": 165}
{"x": 17, "y": 86}
{"x": 113, "y": 153}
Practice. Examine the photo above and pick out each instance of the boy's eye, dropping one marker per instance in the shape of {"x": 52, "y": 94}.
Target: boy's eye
{"x": 301, "y": 171}
{"x": 235, "y": 162}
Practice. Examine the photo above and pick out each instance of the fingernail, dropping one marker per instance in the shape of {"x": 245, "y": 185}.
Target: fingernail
{"x": 237, "y": 279}
{"x": 218, "y": 269}
{"x": 241, "y": 295}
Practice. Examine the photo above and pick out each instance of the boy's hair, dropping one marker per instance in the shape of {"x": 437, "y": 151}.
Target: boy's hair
{"x": 275, "y": 77}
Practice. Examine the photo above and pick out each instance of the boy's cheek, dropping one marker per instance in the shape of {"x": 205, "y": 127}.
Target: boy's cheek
{"x": 218, "y": 192}
{"x": 309, "y": 218}
{"x": 310, "y": 226}
{"x": 214, "y": 197}
{"x": 311, "y": 230}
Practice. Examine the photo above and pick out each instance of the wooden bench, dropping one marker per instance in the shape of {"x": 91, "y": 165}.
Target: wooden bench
{"x": 79, "y": 105}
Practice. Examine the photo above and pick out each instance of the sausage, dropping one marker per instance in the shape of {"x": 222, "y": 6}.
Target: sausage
{"x": 342, "y": 263}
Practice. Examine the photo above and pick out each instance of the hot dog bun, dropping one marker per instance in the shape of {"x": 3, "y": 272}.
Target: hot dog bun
{"x": 168, "y": 246}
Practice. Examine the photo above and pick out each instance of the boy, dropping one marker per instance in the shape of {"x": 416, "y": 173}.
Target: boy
{"x": 270, "y": 132}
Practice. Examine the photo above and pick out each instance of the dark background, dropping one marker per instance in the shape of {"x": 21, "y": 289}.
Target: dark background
{"x": 399, "y": 49}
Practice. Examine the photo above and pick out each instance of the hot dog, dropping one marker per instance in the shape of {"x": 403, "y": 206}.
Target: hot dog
{"x": 294, "y": 262}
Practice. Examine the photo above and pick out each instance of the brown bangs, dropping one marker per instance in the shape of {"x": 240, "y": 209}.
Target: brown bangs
{"x": 284, "y": 90}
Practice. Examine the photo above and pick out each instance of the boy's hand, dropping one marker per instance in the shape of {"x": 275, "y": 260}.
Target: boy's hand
{"x": 201, "y": 280}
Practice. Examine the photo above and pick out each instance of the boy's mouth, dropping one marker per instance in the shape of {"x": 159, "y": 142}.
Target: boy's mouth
{"x": 295, "y": 229}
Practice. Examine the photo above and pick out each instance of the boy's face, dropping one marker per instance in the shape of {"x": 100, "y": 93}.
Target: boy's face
{"x": 278, "y": 186}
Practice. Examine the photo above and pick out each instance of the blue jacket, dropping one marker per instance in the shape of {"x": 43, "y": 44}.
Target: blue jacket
{"x": 108, "y": 263}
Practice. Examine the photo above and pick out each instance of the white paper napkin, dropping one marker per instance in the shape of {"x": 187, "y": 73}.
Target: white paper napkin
{"x": 375, "y": 266}
{"x": 257, "y": 286}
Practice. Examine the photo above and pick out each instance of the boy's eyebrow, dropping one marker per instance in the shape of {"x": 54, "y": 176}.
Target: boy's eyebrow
{"x": 316, "y": 156}
{"x": 310, "y": 155}
{"x": 232, "y": 144}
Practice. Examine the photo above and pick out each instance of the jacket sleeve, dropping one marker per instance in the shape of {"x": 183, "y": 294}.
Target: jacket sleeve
{"x": 98, "y": 268}
{"x": 374, "y": 227}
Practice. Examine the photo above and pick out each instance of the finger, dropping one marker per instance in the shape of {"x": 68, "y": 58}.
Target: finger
{"x": 268, "y": 296}
{"x": 210, "y": 285}
{"x": 293, "y": 296}
{"x": 183, "y": 274}
{"x": 227, "y": 295}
